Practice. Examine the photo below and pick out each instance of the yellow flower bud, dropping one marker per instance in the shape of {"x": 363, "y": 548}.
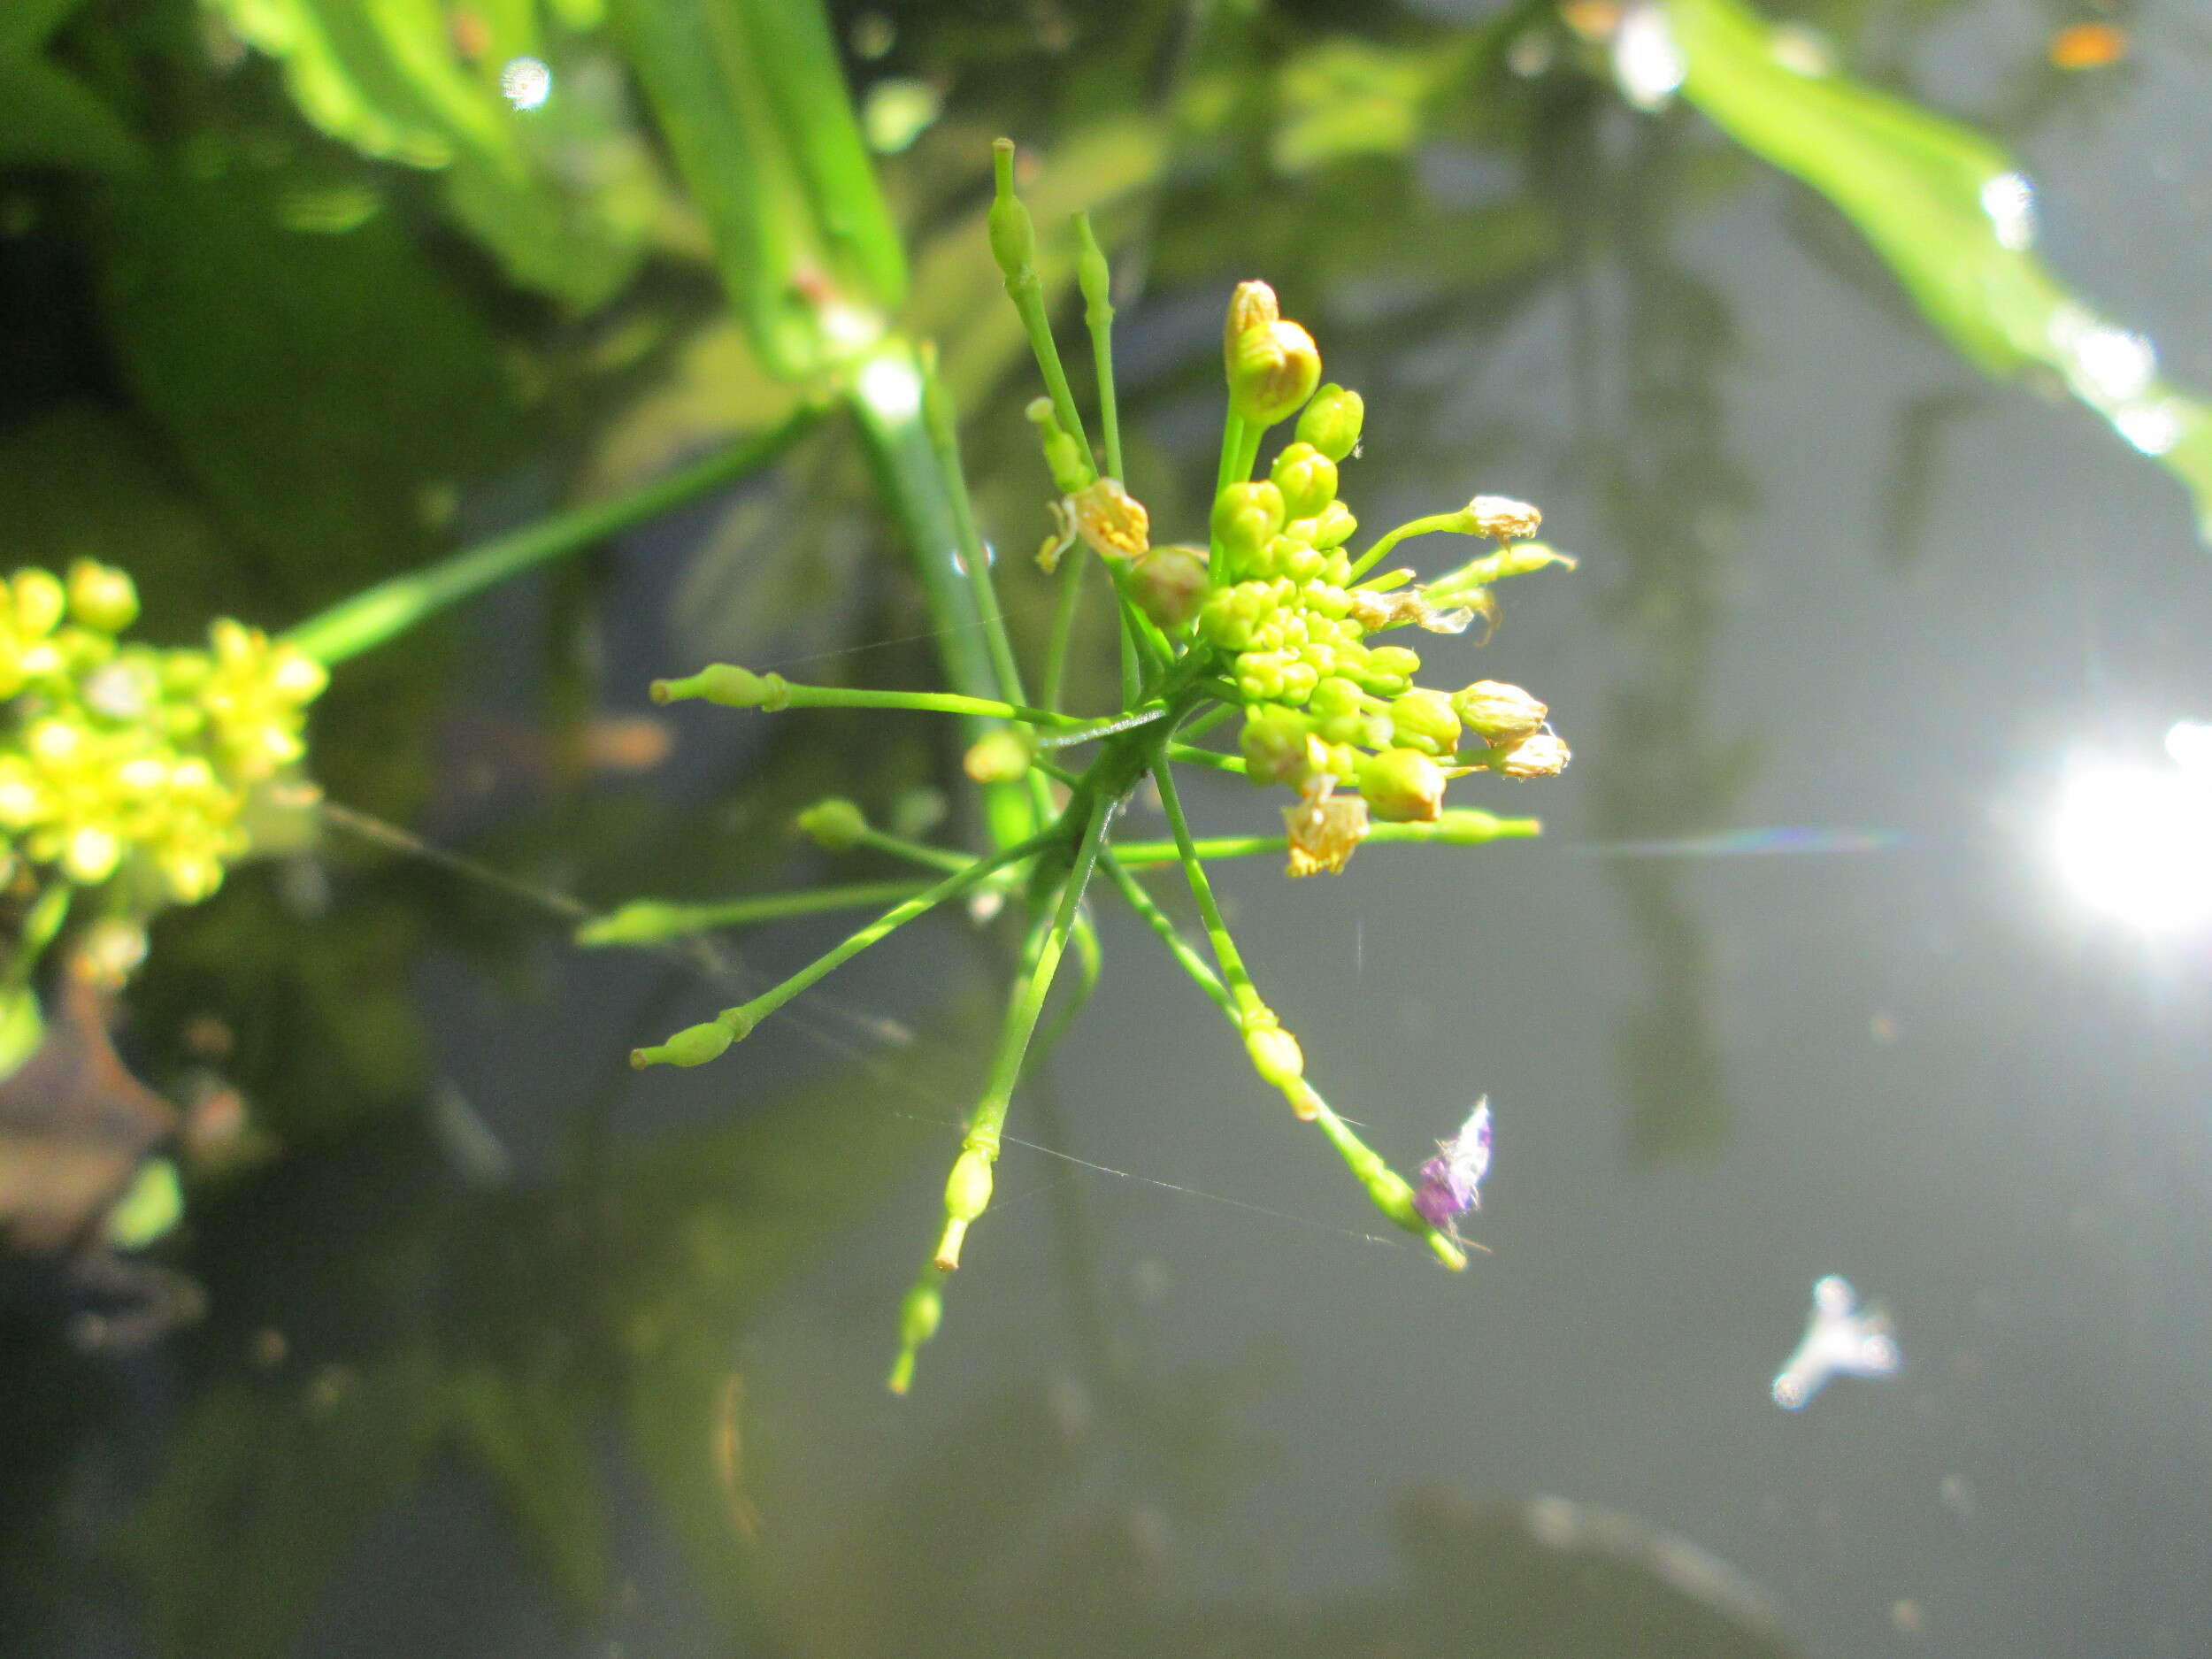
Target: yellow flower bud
{"x": 1502, "y": 517}
{"x": 1332, "y": 421}
{"x": 1272, "y": 370}
{"x": 1325, "y": 830}
{"x": 101, "y": 597}
{"x": 1252, "y": 305}
{"x": 1498, "y": 713}
{"x": 1306, "y": 479}
{"x": 1000, "y": 756}
{"x": 1540, "y": 756}
{"x": 1424, "y": 721}
{"x": 39, "y": 601}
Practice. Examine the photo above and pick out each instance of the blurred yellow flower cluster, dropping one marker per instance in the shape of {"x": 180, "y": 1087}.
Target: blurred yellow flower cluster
{"x": 131, "y": 758}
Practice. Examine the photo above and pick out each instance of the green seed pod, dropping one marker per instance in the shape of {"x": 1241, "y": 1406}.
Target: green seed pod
{"x": 1245, "y": 518}
{"x": 732, "y": 687}
{"x": 1332, "y": 421}
{"x": 1424, "y": 721}
{"x": 694, "y": 1045}
{"x": 1273, "y": 743}
{"x": 101, "y": 597}
{"x": 834, "y": 825}
{"x": 1070, "y": 468}
{"x": 1498, "y": 713}
{"x": 1402, "y": 786}
{"x": 1306, "y": 479}
{"x": 1013, "y": 238}
{"x": 1169, "y": 584}
{"x": 1273, "y": 368}
{"x": 1275, "y": 1053}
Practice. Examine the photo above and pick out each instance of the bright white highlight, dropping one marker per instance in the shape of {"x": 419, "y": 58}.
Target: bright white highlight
{"x": 2009, "y": 201}
{"x": 2135, "y": 842}
{"x": 892, "y": 388}
{"x": 1648, "y": 64}
{"x": 526, "y": 82}
{"x": 2151, "y": 428}
{"x": 1840, "y": 1342}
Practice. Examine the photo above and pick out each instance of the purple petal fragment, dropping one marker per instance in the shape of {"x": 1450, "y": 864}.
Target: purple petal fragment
{"x": 1451, "y": 1181}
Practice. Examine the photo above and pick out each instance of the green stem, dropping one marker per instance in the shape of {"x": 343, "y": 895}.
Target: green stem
{"x": 649, "y": 921}
{"x": 1084, "y": 731}
{"x": 1062, "y": 627}
{"x": 913, "y": 852}
{"x": 1191, "y": 754}
{"x": 1459, "y": 827}
{"x": 1097, "y": 282}
{"x": 887, "y": 395}
{"x": 937, "y": 410}
{"x": 772, "y": 693}
{"x": 1431, "y": 524}
{"x": 389, "y": 609}
{"x": 969, "y": 1191}
{"x": 1161, "y": 923}
{"x": 1224, "y": 948}
{"x": 1207, "y": 721}
{"x": 1025, "y": 288}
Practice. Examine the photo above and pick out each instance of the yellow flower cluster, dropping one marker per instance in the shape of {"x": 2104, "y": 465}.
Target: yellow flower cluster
{"x": 130, "y": 758}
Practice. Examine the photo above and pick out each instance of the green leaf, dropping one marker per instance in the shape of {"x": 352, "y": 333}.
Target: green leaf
{"x": 54, "y": 120}
{"x": 325, "y": 391}
{"x": 750, "y": 97}
{"x": 1952, "y": 216}
{"x": 561, "y": 191}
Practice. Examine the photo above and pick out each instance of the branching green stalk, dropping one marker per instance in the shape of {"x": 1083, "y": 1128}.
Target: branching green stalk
{"x": 913, "y": 852}
{"x": 650, "y": 921}
{"x": 1097, "y": 282}
{"x": 371, "y": 618}
{"x": 696, "y": 1044}
{"x": 1200, "y": 724}
{"x": 968, "y": 1190}
{"x": 1076, "y": 731}
{"x": 742, "y": 689}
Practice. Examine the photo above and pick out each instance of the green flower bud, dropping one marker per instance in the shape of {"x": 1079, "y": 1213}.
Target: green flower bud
{"x": 732, "y": 687}
{"x": 967, "y": 1195}
{"x": 1244, "y": 516}
{"x": 920, "y": 1315}
{"x": 1333, "y": 527}
{"x": 1389, "y": 670}
{"x": 1272, "y": 368}
{"x": 1335, "y": 696}
{"x": 1402, "y": 786}
{"x": 1424, "y": 721}
{"x": 1000, "y": 756}
{"x": 1223, "y": 621}
{"x": 1301, "y": 562}
{"x": 1169, "y": 584}
{"x": 1332, "y": 421}
{"x": 101, "y": 597}
{"x": 1498, "y": 713}
{"x": 835, "y": 825}
{"x": 1273, "y": 743}
{"x": 1306, "y": 479}
{"x": 1297, "y": 680}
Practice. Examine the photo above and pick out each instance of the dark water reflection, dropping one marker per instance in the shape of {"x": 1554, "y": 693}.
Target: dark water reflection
{"x": 573, "y": 1363}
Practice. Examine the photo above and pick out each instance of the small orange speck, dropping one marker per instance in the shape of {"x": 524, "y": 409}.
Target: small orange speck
{"x": 2089, "y": 46}
{"x": 1593, "y": 20}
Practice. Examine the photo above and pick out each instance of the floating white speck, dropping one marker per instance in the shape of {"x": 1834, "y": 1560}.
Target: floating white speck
{"x": 525, "y": 82}
{"x": 2009, "y": 201}
{"x": 1840, "y": 1342}
{"x": 1648, "y": 64}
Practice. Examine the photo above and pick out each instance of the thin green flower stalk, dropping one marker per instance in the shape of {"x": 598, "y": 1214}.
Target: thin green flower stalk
{"x": 1265, "y": 615}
